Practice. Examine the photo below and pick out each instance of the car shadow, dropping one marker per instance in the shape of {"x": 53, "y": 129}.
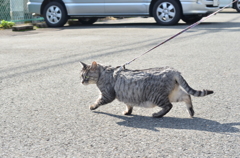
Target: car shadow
{"x": 204, "y": 25}
{"x": 109, "y": 24}
{"x": 196, "y": 123}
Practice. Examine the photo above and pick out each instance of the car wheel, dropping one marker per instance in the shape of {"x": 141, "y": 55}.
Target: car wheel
{"x": 237, "y": 6}
{"x": 166, "y": 12}
{"x": 191, "y": 19}
{"x": 87, "y": 20}
{"x": 55, "y": 14}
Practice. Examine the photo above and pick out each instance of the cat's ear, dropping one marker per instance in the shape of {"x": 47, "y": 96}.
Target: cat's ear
{"x": 94, "y": 65}
{"x": 84, "y": 65}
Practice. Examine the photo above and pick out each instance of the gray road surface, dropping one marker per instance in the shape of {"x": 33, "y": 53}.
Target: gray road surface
{"x": 44, "y": 108}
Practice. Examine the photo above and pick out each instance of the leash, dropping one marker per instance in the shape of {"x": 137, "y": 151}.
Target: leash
{"x": 187, "y": 28}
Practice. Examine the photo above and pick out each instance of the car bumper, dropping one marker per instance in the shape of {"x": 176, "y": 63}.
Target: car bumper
{"x": 34, "y": 7}
{"x": 199, "y": 7}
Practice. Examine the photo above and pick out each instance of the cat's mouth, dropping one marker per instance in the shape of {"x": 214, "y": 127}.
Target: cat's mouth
{"x": 85, "y": 81}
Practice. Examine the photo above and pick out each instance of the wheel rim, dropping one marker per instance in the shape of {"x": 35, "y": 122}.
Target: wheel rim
{"x": 238, "y": 4}
{"x": 166, "y": 12}
{"x": 54, "y": 14}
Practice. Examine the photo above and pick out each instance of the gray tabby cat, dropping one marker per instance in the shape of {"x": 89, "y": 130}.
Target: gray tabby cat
{"x": 143, "y": 88}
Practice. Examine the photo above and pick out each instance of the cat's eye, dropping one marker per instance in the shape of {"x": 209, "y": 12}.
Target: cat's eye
{"x": 85, "y": 76}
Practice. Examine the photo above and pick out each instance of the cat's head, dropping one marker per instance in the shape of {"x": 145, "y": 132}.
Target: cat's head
{"x": 89, "y": 73}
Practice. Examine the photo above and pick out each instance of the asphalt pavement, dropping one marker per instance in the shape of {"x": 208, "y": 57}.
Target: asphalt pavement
{"x": 44, "y": 109}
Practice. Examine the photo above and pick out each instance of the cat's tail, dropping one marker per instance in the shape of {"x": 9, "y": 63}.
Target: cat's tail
{"x": 183, "y": 83}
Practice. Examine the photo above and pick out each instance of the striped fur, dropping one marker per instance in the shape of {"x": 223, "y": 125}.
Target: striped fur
{"x": 143, "y": 88}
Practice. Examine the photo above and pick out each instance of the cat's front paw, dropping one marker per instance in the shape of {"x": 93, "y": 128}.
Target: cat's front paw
{"x": 93, "y": 107}
{"x": 127, "y": 112}
{"x": 157, "y": 115}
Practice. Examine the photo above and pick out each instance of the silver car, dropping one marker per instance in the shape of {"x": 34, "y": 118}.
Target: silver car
{"x": 165, "y": 12}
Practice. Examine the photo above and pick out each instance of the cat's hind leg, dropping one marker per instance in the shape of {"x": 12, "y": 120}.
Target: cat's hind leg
{"x": 128, "y": 110}
{"x": 184, "y": 97}
{"x": 179, "y": 95}
{"x": 165, "y": 109}
{"x": 187, "y": 99}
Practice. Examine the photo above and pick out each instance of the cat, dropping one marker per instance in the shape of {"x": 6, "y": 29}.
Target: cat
{"x": 144, "y": 88}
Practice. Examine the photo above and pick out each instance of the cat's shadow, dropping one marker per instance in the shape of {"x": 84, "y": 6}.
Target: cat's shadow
{"x": 195, "y": 123}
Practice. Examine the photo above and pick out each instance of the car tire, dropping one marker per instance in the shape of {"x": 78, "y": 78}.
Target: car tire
{"x": 87, "y": 20}
{"x": 191, "y": 19}
{"x": 167, "y": 12}
{"x": 55, "y": 14}
{"x": 237, "y": 6}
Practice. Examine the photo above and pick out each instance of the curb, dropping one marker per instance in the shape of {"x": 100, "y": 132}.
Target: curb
{"x": 28, "y": 27}
{"x": 22, "y": 28}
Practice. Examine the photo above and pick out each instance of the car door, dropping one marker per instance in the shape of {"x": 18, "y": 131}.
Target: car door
{"x": 223, "y": 3}
{"x": 127, "y": 7}
{"x": 84, "y": 7}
